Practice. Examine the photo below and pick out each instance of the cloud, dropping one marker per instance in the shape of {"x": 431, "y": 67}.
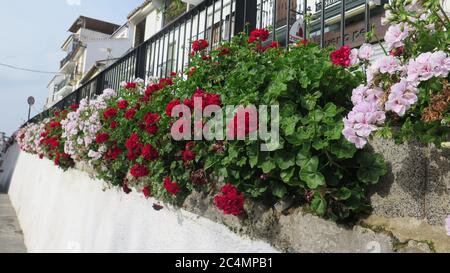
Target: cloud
{"x": 73, "y": 2}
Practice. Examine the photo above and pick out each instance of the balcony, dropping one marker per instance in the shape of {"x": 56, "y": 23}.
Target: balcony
{"x": 76, "y": 45}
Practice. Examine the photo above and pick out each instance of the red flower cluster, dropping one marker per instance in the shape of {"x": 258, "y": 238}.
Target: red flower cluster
{"x": 122, "y": 104}
{"x": 341, "y": 56}
{"x": 200, "y": 44}
{"x": 230, "y": 201}
{"x": 171, "y": 105}
{"x": 55, "y": 124}
{"x": 150, "y": 120}
{"x": 259, "y": 35}
{"x": 206, "y": 99}
{"x": 129, "y": 114}
{"x": 110, "y": 113}
{"x": 113, "y": 153}
{"x": 163, "y": 82}
{"x": 133, "y": 146}
{"x": 273, "y": 44}
{"x": 149, "y": 152}
{"x": 101, "y": 138}
{"x": 74, "y": 107}
{"x": 188, "y": 155}
{"x": 139, "y": 170}
{"x": 171, "y": 187}
{"x": 113, "y": 124}
{"x": 224, "y": 51}
{"x": 130, "y": 85}
{"x": 146, "y": 191}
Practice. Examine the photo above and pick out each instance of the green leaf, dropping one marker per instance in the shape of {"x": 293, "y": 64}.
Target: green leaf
{"x": 285, "y": 159}
{"x": 286, "y": 175}
{"x": 288, "y": 124}
{"x": 268, "y": 165}
{"x": 309, "y": 173}
{"x": 372, "y": 167}
{"x": 279, "y": 190}
{"x": 343, "y": 149}
{"x": 312, "y": 179}
{"x": 253, "y": 157}
{"x": 319, "y": 204}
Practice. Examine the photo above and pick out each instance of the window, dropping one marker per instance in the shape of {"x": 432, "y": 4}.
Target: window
{"x": 139, "y": 35}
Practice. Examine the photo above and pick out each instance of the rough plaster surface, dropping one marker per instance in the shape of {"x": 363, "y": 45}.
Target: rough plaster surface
{"x": 70, "y": 212}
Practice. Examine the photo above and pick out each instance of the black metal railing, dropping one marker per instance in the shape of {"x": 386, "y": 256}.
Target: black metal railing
{"x": 215, "y": 20}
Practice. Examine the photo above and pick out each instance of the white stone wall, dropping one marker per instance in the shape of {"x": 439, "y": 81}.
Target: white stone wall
{"x": 70, "y": 212}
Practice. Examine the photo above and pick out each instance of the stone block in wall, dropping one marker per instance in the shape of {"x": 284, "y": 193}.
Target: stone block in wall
{"x": 437, "y": 197}
{"x": 401, "y": 193}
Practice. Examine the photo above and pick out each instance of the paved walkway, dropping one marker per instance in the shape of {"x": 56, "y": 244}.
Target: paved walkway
{"x": 11, "y": 237}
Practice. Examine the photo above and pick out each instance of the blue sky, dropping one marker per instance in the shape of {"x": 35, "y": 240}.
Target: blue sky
{"x": 31, "y": 36}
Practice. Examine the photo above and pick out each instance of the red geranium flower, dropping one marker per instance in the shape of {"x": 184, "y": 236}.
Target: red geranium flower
{"x": 224, "y": 51}
{"x": 188, "y": 155}
{"x": 165, "y": 82}
{"x": 110, "y": 113}
{"x": 122, "y": 104}
{"x": 170, "y": 106}
{"x": 171, "y": 187}
{"x": 129, "y": 114}
{"x": 113, "y": 153}
{"x": 101, "y": 137}
{"x": 230, "y": 201}
{"x": 113, "y": 124}
{"x": 259, "y": 35}
{"x": 200, "y": 44}
{"x": 151, "y": 129}
{"x": 55, "y": 124}
{"x": 139, "y": 170}
{"x": 74, "y": 107}
{"x": 146, "y": 191}
{"x": 130, "y": 85}
{"x": 341, "y": 56}
{"x": 149, "y": 152}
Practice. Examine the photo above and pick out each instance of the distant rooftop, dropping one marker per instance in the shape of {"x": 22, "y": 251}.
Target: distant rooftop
{"x": 93, "y": 24}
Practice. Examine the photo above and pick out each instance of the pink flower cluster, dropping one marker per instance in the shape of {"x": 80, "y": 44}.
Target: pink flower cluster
{"x": 401, "y": 97}
{"x": 396, "y": 34}
{"x": 361, "y": 122}
{"x": 428, "y": 65}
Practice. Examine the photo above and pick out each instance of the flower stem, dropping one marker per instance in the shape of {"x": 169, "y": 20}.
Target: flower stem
{"x": 378, "y": 40}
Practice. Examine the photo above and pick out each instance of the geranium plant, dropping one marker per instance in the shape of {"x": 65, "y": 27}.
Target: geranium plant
{"x": 406, "y": 94}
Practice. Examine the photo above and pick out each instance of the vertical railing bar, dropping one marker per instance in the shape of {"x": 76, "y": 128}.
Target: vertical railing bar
{"x": 190, "y": 40}
{"x": 212, "y": 24}
{"x": 367, "y": 16}
{"x": 288, "y": 21}
{"x": 154, "y": 58}
{"x": 158, "y": 70}
{"x": 178, "y": 47}
{"x": 274, "y": 20}
{"x": 261, "y": 13}
{"x": 173, "y": 52}
{"x": 198, "y": 24}
{"x": 305, "y": 10}
{"x": 221, "y": 21}
{"x": 206, "y": 23}
{"x": 184, "y": 47}
{"x": 342, "y": 22}
{"x": 322, "y": 25}
{"x": 230, "y": 20}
